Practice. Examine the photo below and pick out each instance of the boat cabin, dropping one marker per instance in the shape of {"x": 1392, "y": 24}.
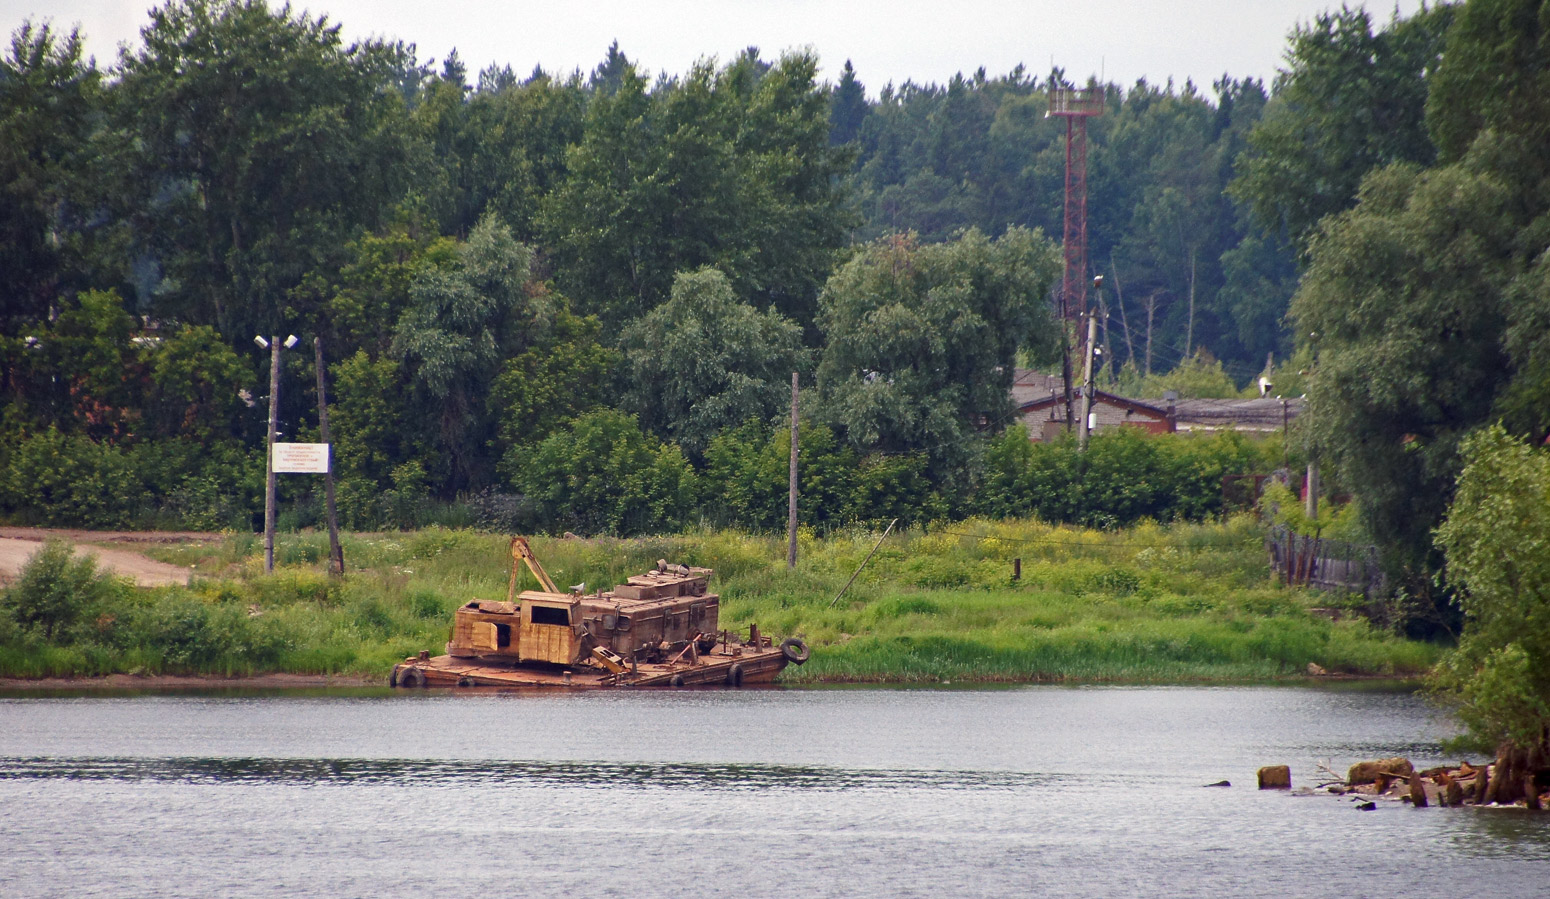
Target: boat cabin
{"x": 651, "y": 615}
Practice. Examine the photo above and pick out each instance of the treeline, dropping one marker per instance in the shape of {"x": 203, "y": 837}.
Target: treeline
{"x": 1187, "y": 271}
{"x": 1420, "y": 204}
{"x": 1411, "y": 168}
{"x": 521, "y": 283}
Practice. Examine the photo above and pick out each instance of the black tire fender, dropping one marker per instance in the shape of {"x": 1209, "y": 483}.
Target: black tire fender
{"x": 411, "y": 677}
{"x": 795, "y": 650}
{"x": 393, "y": 676}
{"x": 465, "y": 681}
{"x": 735, "y": 675}
{"x": 676, "y": 680}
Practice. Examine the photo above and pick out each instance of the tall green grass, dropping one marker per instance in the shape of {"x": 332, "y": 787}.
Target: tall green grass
{"x": 1147, "y": 604}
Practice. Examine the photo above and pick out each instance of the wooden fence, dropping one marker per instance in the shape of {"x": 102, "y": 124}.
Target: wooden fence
{"x": 1303, "y": 561}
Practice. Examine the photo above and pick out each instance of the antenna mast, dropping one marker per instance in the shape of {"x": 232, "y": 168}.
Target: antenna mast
{"x": 1076, "y": 106}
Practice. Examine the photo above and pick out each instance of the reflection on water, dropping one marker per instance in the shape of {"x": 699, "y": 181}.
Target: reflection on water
{"x": 854, "y": 792}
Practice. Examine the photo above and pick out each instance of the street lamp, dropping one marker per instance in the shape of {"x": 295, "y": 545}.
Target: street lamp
{"x": 273, "y": 345}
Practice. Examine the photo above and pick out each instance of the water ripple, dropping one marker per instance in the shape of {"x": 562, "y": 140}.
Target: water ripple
{"x": 497, "y": 773}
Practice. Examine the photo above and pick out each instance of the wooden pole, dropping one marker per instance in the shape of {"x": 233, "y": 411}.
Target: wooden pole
{"x": 1285, "y": 427}
{"x": 791, "y": 511}
{"x": 1312, "y": 487}
{"x": 335, "y": 551}
{"x": 269, "y": 482}
{"x": 1124, "y": 318}
{"x": 863, "y": 563}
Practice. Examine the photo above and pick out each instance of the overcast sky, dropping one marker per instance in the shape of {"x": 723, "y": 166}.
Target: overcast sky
{"x": 887, "y": 40}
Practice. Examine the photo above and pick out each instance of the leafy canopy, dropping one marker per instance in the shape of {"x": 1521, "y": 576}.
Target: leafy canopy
{"x": 705, "y": 361}
{"x": 1350, "y": 101}
{"x": 921, "y": 340}
{"x": 1497, "y": 541}
{"x": 257, "y": 142}
{"x": 603, "y": 475}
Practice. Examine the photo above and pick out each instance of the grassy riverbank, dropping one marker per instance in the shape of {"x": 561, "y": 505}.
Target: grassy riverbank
{"x": 1148, "y": 604}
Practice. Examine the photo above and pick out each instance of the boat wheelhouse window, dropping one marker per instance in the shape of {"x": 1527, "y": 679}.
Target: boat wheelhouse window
{"x": 551, "y": 615}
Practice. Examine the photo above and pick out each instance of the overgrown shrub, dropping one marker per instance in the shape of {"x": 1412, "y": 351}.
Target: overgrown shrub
{"x": 56, "y": 591}
{"x": 57, "y": 479}
{"x": 1124, "y": 477}
{"x": 604, "y": 476}
{"x": 747, "y": 477}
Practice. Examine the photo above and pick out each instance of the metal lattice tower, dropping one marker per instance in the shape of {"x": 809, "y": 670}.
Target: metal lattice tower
{"x": 1076, "y": 106}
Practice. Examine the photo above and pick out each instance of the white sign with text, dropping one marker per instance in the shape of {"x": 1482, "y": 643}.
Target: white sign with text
{"x": 301, "y": 458}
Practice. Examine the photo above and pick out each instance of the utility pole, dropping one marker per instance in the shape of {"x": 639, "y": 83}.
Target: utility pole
{"x": 791, "y": 511}
{"x": 1087, "y": 383}
{"x": 1065, "y": 373}
{"x": 335, "y": 551}
{"x": 273, "y": 346}
{"x": 1312, "y": 486}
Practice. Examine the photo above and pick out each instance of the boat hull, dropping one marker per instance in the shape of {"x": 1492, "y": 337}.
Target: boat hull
{"x": 732, "y": 667}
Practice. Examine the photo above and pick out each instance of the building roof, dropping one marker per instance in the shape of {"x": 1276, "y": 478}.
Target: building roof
{"x": 1261, "y": 413}
{"x": 1099, "y": 396}
{"x": 1033, "y": 390}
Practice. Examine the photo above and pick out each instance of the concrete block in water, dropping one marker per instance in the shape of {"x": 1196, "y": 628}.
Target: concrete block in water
{"x": 1275, "y": 777}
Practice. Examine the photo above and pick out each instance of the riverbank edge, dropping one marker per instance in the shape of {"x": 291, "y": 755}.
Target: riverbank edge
{"x": 283, "y": 681}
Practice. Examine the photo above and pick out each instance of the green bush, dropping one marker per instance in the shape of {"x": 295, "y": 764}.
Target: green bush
{"x": 748, "y": 471}
{"x": 427, "y": 605}
{"x": 604, "y": 476}
{"x": 1123, "y": 478}
{"x": 296, "y": 585}
{"x": 180, "y": 630}
{"x": 70, "y": 480}
{"x": 936, "y": 572}
{"x": 57, "y": 591}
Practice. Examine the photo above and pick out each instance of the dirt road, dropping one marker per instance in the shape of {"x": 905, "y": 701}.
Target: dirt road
{"x": 18, "y": 544}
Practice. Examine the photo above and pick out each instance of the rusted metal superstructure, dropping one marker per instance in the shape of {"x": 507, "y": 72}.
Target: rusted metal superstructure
{"x": 1075, "y": 105}
{"x": 660, "y": 628}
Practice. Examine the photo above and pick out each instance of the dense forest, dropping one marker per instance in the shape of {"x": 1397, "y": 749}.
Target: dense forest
{"x": 575, "y": 300}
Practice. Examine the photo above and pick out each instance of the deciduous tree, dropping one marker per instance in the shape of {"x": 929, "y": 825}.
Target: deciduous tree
{"x": 1403, "y": 302}
{"x": 258, "y": 144}
{"x": 705, "y": 361}
{"x": 1497, "y": 541}
{"x": 461, "y": 322}
{"x": 50, "y": 103}
{"x": 922, "y": 340}
{"x": 1351, "y": 100}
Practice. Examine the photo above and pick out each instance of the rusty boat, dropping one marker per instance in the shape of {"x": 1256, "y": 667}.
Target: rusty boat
{"x": 659, "y": 629}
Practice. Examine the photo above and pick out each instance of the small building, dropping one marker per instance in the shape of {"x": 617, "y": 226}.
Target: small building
{"x": 1261, "y": 414}
{"x": 1046, "y": 418}
{"x": 1041, "y": 406}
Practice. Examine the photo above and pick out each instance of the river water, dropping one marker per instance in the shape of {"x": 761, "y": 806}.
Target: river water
{"x": 1095, "y": 791}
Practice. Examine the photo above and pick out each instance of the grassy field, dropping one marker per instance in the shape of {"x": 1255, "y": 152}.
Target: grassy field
{"x": 1149, "y": 604}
